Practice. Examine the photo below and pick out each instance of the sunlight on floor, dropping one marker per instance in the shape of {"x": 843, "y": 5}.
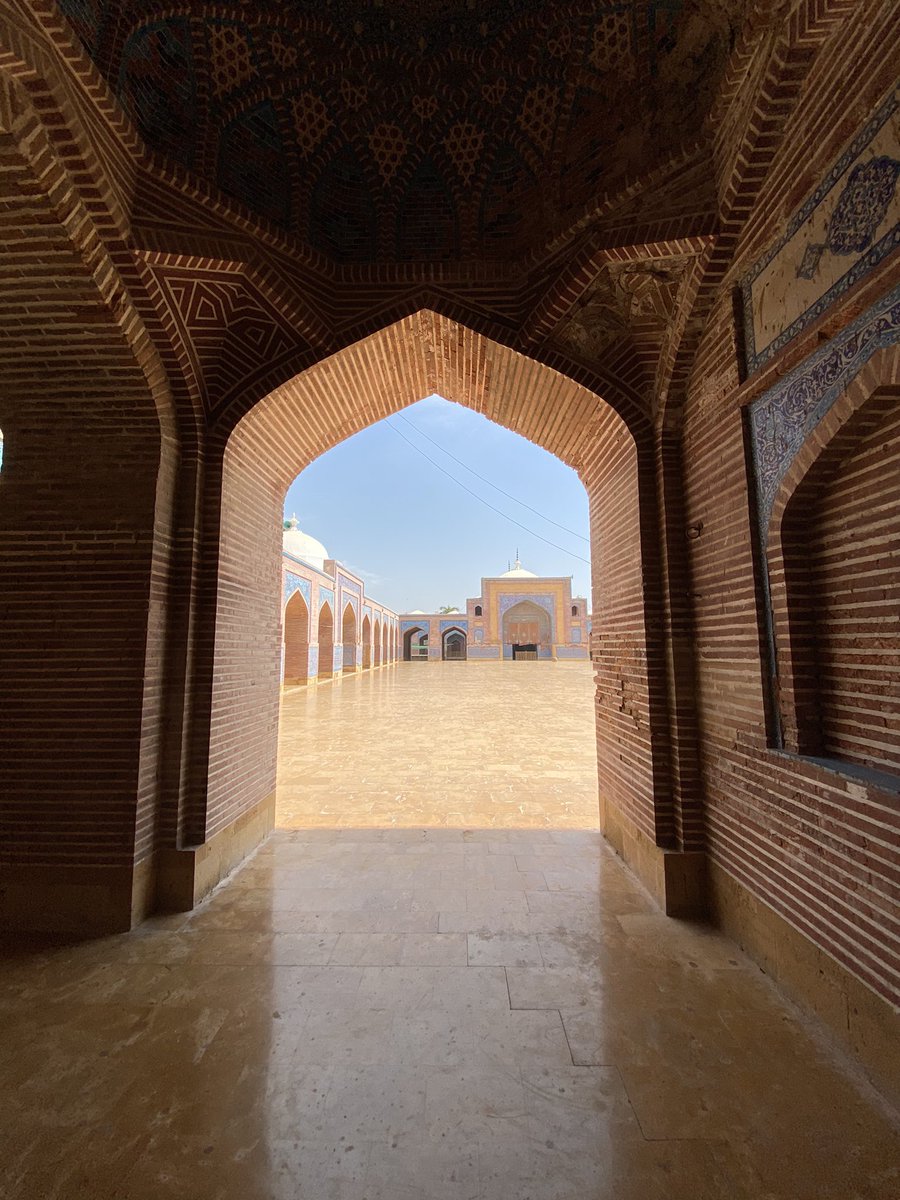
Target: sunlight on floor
{"x": 458, "y": 745}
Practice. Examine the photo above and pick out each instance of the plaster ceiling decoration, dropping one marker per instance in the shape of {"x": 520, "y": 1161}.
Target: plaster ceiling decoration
{"x": 230, "y": 328}
{"x": 624, "y": 298}
{"x": 339, "y": 119}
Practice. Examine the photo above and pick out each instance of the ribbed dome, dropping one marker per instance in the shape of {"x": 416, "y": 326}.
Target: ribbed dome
{"x": 518, "y": 572}
{"x": 302, "y": 545}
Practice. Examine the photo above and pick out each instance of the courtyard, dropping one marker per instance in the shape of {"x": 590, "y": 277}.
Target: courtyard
{"x": 457, "y": 745}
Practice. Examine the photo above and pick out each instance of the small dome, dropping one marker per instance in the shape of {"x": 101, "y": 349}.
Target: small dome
{"x": 417, "y": 612}
{"x": 518, "y": 572}
{"x": 301, "y": 545}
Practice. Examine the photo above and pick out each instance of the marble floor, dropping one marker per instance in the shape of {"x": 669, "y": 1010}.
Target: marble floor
{"x": 454, "y": 1012}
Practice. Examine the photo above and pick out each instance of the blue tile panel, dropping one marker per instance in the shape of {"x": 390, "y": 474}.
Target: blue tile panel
{"x": 294, "y": 583}
{"x": 782, "y": 418}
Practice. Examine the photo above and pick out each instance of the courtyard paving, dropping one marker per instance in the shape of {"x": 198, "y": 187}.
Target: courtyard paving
{"x": 483, "y": 1006}
{"x": 445, "y": 744}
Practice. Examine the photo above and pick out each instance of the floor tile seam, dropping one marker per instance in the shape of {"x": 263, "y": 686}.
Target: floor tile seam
{"x": 636, "y": 1115}
{"x": 566, "y": 1036}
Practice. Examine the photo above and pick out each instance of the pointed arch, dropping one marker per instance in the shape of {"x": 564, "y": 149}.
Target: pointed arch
{"x": 326, "y": 641}
{"x": 328, "y": 402}
{"x": 367, "y": 643}
{"x": 415, "y": 643}
{"x": 454, "y": 643}
{"x": 526, "y": 630}
{"x": 377, "y": 650}
{"x": 349, "y": 637}
{"x": 296, "y": 640}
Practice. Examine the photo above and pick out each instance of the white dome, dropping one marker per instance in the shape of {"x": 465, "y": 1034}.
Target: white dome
{"x": 518, "y": 572}
{"x": 301, "y": 545}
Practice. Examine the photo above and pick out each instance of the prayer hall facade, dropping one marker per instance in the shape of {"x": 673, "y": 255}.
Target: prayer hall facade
{"x": 517, "y": 616}
{"x": 658, "y": 238}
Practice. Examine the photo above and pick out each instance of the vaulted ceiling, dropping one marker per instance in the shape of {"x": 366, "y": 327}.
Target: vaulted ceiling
{"x": 418, "y": 130}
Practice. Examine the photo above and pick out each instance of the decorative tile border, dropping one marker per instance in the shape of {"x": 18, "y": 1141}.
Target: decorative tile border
{"x": 348, "y": 585}
{"x": 326, "y": 594}
{"x": 860, "y": 210}
{"x": 463, "y": 625}
{"x": 782, "y": 418}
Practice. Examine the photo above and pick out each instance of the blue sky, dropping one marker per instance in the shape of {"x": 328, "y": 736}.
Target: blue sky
{"x": 415, "y": 537}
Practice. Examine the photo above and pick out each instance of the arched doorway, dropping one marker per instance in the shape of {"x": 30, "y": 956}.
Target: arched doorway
{"x": 296, "y": 640}
{"x": 415, "y": 645}
{"x": 348, "y": 638}
{"x": 366, "y": 644}
{"x": 377, "y": 645}
{"x": 326, "y": 641}
{"x": 277, "y": 435}
{"x": 453, "y": 645}
{"x": 526, "y": 631}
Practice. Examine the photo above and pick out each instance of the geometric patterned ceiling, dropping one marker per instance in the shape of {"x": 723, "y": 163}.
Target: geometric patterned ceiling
{"x": 418, "y": 130}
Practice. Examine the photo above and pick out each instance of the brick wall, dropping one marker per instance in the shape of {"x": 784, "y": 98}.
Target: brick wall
{"x": 82, "y": 581}
{"x": 841, "y": 543}
{"x": 814, "y": 846}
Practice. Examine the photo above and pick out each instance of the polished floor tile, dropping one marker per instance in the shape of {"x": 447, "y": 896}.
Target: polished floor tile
{"x": 459, "y": 745}
{"x": 438, "y": 1011}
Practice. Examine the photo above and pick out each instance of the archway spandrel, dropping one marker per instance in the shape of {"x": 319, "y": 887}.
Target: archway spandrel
{"x": 408, "y": 360}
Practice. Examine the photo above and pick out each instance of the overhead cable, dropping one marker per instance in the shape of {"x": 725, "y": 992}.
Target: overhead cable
{"x": 471, "y": 471}
{"x": 481, "y": 499}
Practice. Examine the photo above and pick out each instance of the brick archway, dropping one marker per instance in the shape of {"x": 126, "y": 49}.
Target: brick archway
{"x": 379, "y": 375}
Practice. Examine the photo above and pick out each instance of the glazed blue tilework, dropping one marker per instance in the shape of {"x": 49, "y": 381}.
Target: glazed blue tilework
{"x": 860, "y": 210}
{"x": 326, "y": 594}
{"x": 348, "y": 585}
{"x": 782, "y": 418}
{"x": 578, "y": 652}
{"x": 294, "y": 583}
{"x": 463, "y": 625}
{"x": 542, "y": 601}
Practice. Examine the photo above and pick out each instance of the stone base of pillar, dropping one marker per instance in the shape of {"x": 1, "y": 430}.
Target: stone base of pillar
{"x": 675, "y": 878}
{"x": 185, "y": 876}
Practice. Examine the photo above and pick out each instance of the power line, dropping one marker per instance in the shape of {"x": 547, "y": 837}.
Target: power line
{"x": 471, "y": 471}
{"x": 486, "y": 503}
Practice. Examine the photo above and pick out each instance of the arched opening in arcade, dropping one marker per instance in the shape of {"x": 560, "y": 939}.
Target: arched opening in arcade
{"x": 366, "y": 644}
{"x": 348, "y": 638}
{"x": 526, "y": 631}
{"x": 324, "y": 405}
{"x": 415, "y": 645}
{"x": 326, "y": 641}
{"x": 453, "y": 645}
{"x": 296, "y": 640}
